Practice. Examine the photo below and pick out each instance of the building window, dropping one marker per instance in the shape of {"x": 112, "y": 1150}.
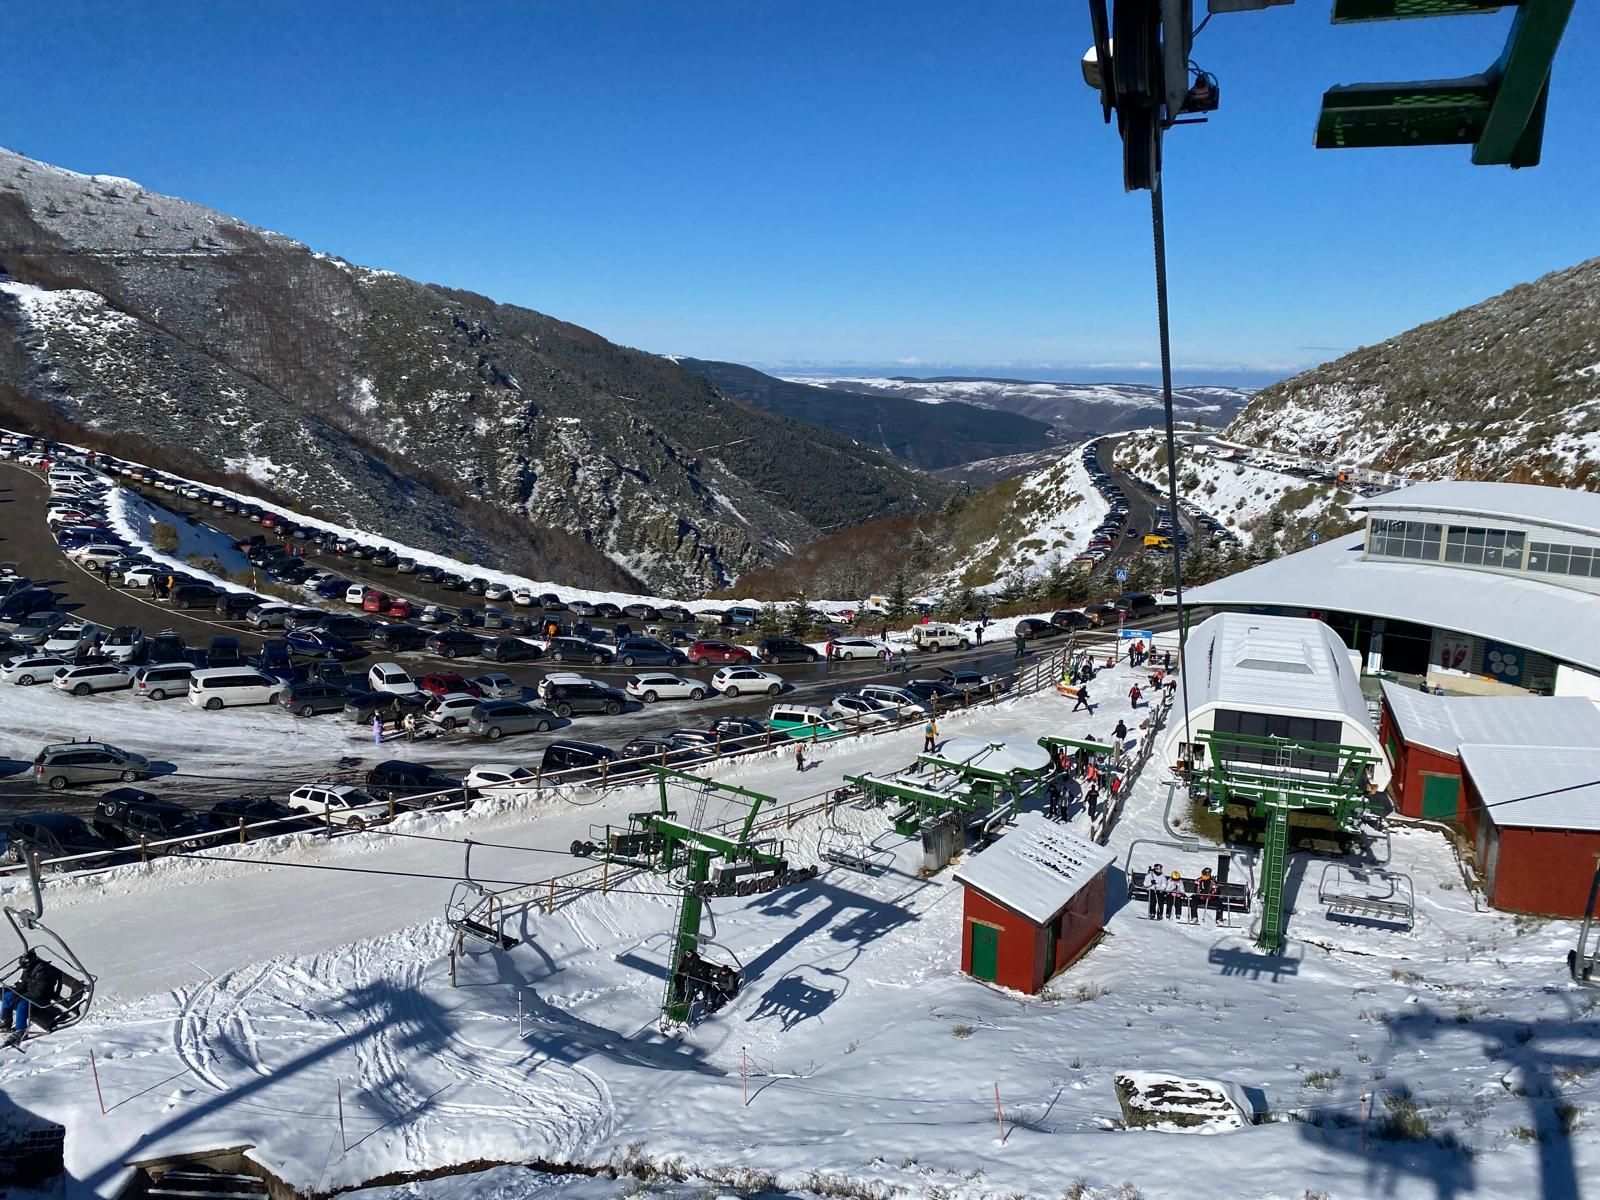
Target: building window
{"x": 1278, "y": 725}
{"x": 1484, "y": 547}
{"x": 1404, "y": 539}
{"x": 1552, "y": 558}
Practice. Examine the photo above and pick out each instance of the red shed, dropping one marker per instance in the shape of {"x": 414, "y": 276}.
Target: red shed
{"x": 1423, "y": 735}
{"x": 1035, "y": 900}
{"x": 1534, "y": 815}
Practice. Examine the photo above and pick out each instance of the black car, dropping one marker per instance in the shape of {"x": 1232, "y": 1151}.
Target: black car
{"x": 451, "y": 643}
{"x": 165, "y": 647}
{"x": 477, "y": 585}
{"x": 569, "y": 698}
{"x": 568, "y": 649}
{"x": 784, "y": 649}
{"x": 1032, "y": 627}
{"x": 128, "y": 816}
{"x": 451, "y": 582}
{"x": 573, "y": 762}
{"x": 1070, "y": 618}
{"x": 399, "y": 637}
{"x": 308, "y": 698}
{"x": 608, "y": 610}
{"x": 659, "y": 748}
{"x": 234, "y": 605}
{"x": 509, "y": 649}
{"x": 429, "y": 574}
{"x": 738, "y": 734}
{"x": 361, "y": 707}
{"x": 224, "y": 652}
{"x": 193, "y": 595}
{"x": 550, "y": 602}
{"x": 347, "y": 626}
{"x": 54, "y": 835}
{"x": 398, "y": 779}
{"x": 937, "y": 693}
{"x": 258, "y": 810}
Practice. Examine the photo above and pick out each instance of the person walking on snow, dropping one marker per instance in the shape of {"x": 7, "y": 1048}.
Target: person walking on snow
{"x": 1116, "y": 787}
{"x": 1121, "y": 731}
{"x": 1135, "y": 695}
{"x": 1083, "y": 700}
{"x": 1092, "y": 799}
{"x": 799, "y": 757}
{"x": 1155, "y": 883}
{"x": 410, "y": 725}
{"x": 930, "y": 731}
{"x": 377, "y": 729}
{"x": 1021, "y": 645}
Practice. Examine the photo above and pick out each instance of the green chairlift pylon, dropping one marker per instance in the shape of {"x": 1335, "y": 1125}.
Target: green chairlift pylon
{"x": 953, "y": 786}
{"x": 701, "y": 863}
{"x": 1279, "y": 777}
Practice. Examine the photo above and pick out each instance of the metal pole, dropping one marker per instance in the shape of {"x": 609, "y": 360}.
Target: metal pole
{"x": 998, "y": 1119}
{"x": 338, "y": 1092}
{"x": 96, "y": 1071}
{"x": 1159, "y": 232}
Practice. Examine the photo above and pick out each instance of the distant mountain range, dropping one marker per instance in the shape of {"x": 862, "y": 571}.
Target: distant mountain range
{"x": 1073, "y": 409}
{"x": 1506, "y": 389}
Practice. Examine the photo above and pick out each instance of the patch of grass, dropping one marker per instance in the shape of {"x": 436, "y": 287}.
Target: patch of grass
{"x": 1403, "y": 1119}
{"x": 963, "y": 1031}
{"x": 164, "y": 538}
{"x": 1324, "y": 1080}
{"x": 1405, "y": 976}
{"x": 1205, "y": 824}
{"x": 1090, "y": 991}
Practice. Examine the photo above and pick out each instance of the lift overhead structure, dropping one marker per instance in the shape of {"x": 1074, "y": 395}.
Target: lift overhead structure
{"x": 1277, "y": 778}
{"x": 700, "y": 862}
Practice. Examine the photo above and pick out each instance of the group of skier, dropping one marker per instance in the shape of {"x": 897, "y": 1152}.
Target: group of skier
{"x": 1168, "y": 894}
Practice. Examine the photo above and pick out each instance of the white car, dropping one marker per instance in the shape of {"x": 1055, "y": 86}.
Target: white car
{"x": 497, "y": 686}
{"x": 659, "y": 685}
{"x": 340, "y": 802}
{"x": 94, "y": 558}
{"x": 893, "y": 698}
{"x": 524, "y": 598}
{"x": 851, "y": 711}
{"x": 71, "y": 637}
{"x": 500, "y": 781}
{"x": 856, "y": 647}
{"x": 27, "y": 669}
{"x": 268, "y": 616}
{"x": 734, "y": 681}
{"x": 355, "y": 593}
{"x": 142, "y": 576}
{"x": 99, "y": 677}
{"x": 559, "y": 677}
{"x": 497, "y": 591}
{"x": 392, "y": 678}
{"x": 451, "y": 709}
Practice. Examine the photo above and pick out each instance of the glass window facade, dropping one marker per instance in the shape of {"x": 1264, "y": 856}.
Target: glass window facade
{"x": 1484, "y": 547}
{"x": 1404, "y": 539}
{"x": 1553, "y": 558}
{"x": 1278, "y": 725}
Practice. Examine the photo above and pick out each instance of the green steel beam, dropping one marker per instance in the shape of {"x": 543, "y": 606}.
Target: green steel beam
{"x": 1050, "y": 742}
{"x": 1514, "y": 131}
{"x": 1346, "y": 11}
{"x": 757, "y": 799}
{"x": 1361, "y": 116}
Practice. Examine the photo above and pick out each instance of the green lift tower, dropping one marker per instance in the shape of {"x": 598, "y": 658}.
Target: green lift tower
{"x": 1277, "y": 778}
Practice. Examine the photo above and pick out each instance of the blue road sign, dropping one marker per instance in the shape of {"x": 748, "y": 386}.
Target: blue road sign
{"x": 1314, "y": 537}
{"x": 1128, "y": 635}
{"x": 1122, "y": 576}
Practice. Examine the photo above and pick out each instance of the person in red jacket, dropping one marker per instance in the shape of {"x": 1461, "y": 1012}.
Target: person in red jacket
{"x": 1135, "y": 695}
{"x": 1204, "y": 896}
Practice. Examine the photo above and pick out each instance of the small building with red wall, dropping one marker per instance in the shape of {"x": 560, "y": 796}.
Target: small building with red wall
{"x": 1034, "y": 901}
{"x": 1533, "y": 813}
{"x": 1423, "y": 734}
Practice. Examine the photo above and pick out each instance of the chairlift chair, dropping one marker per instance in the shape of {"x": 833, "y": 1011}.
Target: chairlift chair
{"x": 77, "y": 985}
{"x": 1373, "y": 895}
{"x": 849, "y": 849}
{"x": 470, "y": 910}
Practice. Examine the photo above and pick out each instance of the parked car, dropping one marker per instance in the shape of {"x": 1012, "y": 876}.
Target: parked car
{"x": 390, "y": 677}
{"x": 1101, "y": 614}
{"x": 122, "y": 643}
{"x": 58, "y": 835}
{"x": 509, "y": 649}
{"x": 501, "y": 781}
{"x": 315, "y": 643}
{"x": 804, "y": 721}
{"x": 570, "y": 649}
{"x": 906, "y": 703}
{"x": 397, "y": 639}
{"x": 235, "y": 606}
{"x": 785, "y": 649}
{"x": 361, "y": 707}
{"x": 494, "y": 718}
{"x": 655, "y": 686}
{"x": 848, "y": 648}
{"x": 157, "y": 681}
{"x": 453, "y": 643}
{"x": 496, "y": 686}
{"x": 570, "y": 698}
{"x": 451, "y": 709}
{"x": 646, "y": 652}
{"x": 975, "y": 684}
{"x": 35, "y": 628}
{"x": 193, "y": 595}
{"x": 375, "y": 601}
{"x": 731, "y": 681}
{"x": 853, "y": 711}
{"x": 338, "y": 803}
{"x": 936, "y": 694}
{"x": 567, "y": 762}
{"x": 224, "y": 652}
{"x": 310, "y": 697}
{"x": 65, "y": 763}
{"x": 1135, "y": 604}
{"x": 72, "y": 639}
{"x": 745, "y": 732}
{"x": 1069, "y": 618}
{"x": 126, "y": 816}
{"x": 1030, "y": 628}
{"x": 707, "y": 652}
{"x": 259, "y": 810}
{"x": 641, "y": 612}
{"x": 444, "y": 683}
{"x": 96, "y": 677}
{"x": 25, "y": 670}
{"x": 217, "y": 687}
{"x": 398, "y": 779}
{"x": 346, "y": 625}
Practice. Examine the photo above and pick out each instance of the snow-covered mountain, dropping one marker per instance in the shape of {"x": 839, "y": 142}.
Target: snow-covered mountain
{"x": 1506, "y": 389}
{"x": 1073, "y": 408}
{"x": 207, "y": 346}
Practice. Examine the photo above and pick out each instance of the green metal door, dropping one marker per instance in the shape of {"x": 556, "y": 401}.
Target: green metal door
{"x": 985, "y": 951}
{"x": 1440, "y": 794}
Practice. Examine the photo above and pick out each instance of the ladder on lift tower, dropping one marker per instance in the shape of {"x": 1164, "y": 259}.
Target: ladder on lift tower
{"x": 1274, "y": 864}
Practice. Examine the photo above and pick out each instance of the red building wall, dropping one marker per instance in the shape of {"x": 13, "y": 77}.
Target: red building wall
{"x": 1544, "y": 871}
{"x": 1410, "y": 763}
{"x": 1023, "y": 953}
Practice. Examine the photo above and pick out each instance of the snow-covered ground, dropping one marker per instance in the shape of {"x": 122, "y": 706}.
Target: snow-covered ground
{"x": 243, "y": 1004}
{"x": 135, "y": 518}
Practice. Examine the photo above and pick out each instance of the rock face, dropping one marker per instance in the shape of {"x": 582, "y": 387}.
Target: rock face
{"x": 434, "y": 415}
{"x": 1507, "y": 389}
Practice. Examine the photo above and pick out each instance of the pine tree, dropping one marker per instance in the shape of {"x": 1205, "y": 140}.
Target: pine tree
{"x": 769, "y": 621}
{"x": 899, "y": 598}
{"x": 801, "y": 616}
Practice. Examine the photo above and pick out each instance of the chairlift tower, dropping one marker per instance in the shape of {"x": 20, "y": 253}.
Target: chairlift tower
{"x": 701, "y": 863}
{"x": 1279, "y": 778}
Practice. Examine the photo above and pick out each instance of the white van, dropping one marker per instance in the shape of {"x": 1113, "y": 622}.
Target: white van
{"x": 803, "y": 721}
{"x": 392, "y": 678}
{"x": 217, "y": 687}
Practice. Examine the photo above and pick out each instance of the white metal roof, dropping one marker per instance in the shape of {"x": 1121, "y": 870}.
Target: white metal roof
{"x": 1276, "y": 664}
{"x": 1036, "y": 868}
{"x": 1536, "y": 787}
{"x": 1565, "y": 508}
{"x": 994, "y": 755}
{"x": 1561, "y": 622}
{"x": 1447, "y": 723}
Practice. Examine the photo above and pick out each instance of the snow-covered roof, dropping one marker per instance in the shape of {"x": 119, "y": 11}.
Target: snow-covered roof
{"x": 995, "y": 755}
{"x": 1036, "y": 868}
{"x": 1564, "y": 508}
{"x": 1537, "y": 787}
{"x": 1447, "y": 723}
{"x": 1275, "y": 664}
{"x": 1561, "y": 622}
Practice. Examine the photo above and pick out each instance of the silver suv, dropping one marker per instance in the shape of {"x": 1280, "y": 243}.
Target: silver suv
{"x": 64, "y": 763}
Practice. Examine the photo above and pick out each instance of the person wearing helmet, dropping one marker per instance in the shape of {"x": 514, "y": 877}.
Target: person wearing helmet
{"x": 1205, "y": 896}
{"x": 1174, "y": 895}
{"x": 37, "y": 984}
{"x": 1155, "y": 885}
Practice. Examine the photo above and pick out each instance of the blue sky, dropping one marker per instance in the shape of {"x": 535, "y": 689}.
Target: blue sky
{"x": 914, "y": 183}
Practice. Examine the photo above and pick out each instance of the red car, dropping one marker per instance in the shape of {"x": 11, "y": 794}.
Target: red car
{"x": 442, "y": 683}
{"x": 375, "y": 602}
{"x": 704, "y": 654}
{"x": 399, "y": 607}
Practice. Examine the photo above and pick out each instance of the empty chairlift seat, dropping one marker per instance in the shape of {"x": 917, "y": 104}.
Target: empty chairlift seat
{"x": 1354, "y": 893}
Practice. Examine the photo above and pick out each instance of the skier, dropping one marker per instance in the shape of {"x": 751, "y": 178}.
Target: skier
{"x": 1205, "y": 896}
{"x": 1052, "y": 800}
{"x": 1083, "y": 700}
{"x": 1174, "y": 901}
{"x": 1121, "y": 731}
{"x": 799, "y": 756}
{"x": 930, "y": 731}
{"x": 38, "y": 984}
{"x": 1155, "y": 883}
{"x": 1135, "y": 695}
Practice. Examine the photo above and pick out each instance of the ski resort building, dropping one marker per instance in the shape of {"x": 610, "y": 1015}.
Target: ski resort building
{"x": 1034, "y": 901}
{"x": 1265, "y": 677}
{"x": 1477, "y": 586}
{"x": 1423, "y": 736}
{"x": 1533, "y": 813}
